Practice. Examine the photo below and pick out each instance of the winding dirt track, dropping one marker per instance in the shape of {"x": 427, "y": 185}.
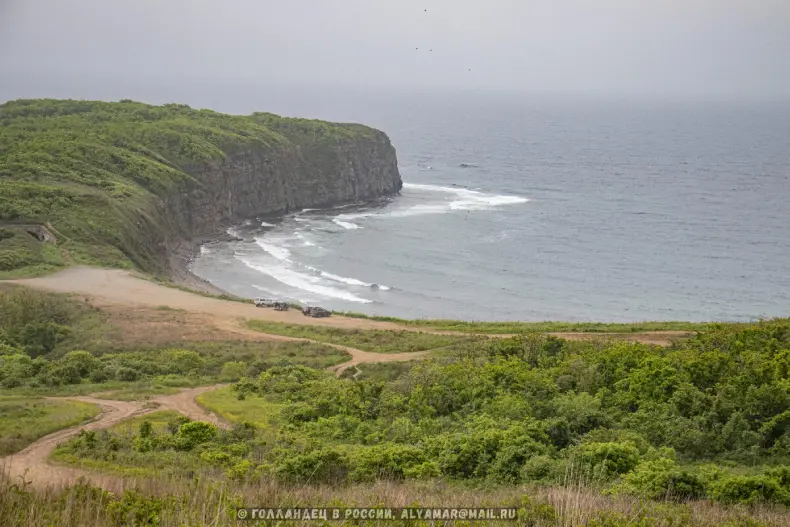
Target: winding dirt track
{"x": 116, "y": 287}
{"x": 31, "y": 463}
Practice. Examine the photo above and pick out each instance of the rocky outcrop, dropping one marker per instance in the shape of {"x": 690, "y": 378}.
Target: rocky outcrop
{"x": 125, "y": 184}
{"x": 283, "y": 179}
{"x": 278, "y": 180}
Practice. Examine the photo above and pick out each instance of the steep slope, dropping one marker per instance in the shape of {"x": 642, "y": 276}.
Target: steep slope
{"x": 122, "y": 183}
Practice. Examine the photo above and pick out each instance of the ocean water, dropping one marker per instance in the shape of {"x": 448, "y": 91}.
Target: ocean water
{"x": 518, "y": 208}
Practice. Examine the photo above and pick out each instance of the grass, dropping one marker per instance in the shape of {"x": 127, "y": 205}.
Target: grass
{"x": 24, "y": 420}
{"x": 128, "y": 389}
{"x": 377, "y": 372}
{"x": 373, "y": 340}
{"x": 176, "y": 501}
{"x": 137, "y": 392}
{"x": 22, "y": 256}
{"x": 253, "y": 410}
{"x": 131, "y": 463}
{"x": 541, "y": 327}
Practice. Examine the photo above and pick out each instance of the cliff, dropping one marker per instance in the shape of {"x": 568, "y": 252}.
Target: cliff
{"x": 122, "y": 184}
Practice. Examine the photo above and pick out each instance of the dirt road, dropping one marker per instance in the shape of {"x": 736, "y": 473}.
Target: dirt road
{"x": 115, "y": 287}
{"x": 31, "y": 463}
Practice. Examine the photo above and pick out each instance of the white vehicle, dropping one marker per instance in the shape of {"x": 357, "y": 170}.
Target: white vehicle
{"x": 264, "y": 302}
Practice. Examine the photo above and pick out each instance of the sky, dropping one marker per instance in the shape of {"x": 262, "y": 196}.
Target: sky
{"x": 660, "y": 48}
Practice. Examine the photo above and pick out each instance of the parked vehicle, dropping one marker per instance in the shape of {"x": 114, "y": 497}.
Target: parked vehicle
{"x": 264, "y": 302}
{"x": 316, "y": 312}
{"x": 319, "y": 312}
{"x": 281, "y": 306}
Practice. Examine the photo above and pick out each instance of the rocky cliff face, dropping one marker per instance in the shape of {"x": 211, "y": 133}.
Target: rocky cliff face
{"x": 284, "y": 178}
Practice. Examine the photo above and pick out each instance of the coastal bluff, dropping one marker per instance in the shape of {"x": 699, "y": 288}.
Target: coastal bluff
{"x": 126, "y": 184}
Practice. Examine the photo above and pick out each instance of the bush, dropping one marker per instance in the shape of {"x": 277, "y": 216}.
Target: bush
{"x": 193, "y": 433}
{"x": 662, "y": 479}
{"x": 749, "y": 490}
{"x": 126, "y": 374}
{"x": 233, "y": 371}
{"x": 543, "y": 469}
{"x": 82, "y": 361}
{"x": 609, "y": 458}
{"x": 318, "y": 466}
{"x": 388, "y": 461}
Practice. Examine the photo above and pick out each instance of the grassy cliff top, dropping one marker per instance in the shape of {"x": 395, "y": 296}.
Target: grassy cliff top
{"x": 94, "y": 171}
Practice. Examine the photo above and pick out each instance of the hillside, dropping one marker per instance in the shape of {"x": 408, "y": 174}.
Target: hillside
{"x": 198, "y": 414}
{"x": 125, "y": 184}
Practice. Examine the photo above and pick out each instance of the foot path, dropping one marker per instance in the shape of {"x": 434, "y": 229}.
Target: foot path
{"x": 31, "y": 464}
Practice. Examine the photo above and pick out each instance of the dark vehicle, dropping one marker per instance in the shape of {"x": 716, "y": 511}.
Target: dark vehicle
{"x": 315, "y": 312}
{"x": 280, "y": 306}
{"x": 318, "y": 312}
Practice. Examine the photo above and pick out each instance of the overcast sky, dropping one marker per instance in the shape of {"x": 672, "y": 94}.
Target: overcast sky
{"x": 729, "y": 48}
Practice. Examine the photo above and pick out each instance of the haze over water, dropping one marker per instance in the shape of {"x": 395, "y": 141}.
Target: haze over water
{"x": 528, "y": 208}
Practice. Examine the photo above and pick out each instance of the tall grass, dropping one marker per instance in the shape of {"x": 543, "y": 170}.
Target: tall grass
{"x": 541, "y": 327}
{"x": 374, "y": 340}
{"x": 203, "y": 502}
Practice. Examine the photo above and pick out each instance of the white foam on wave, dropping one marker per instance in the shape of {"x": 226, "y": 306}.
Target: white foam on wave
{"x": 467, "y": 200}
{"x": 305, "y": 241}
{"x": 267, "y": 224}
{"x": 281, "y": 253}
{"x": 233, "y": 232}
{"x": 301, "y": 220}
{"x": 345, "y": 224}
{"x": 345, "y": 280}
{"x": 204, "y": 250}
{"x": 302, "y": 281}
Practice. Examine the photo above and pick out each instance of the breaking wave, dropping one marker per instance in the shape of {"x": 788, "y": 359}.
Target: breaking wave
{"x": 302, "y": 281}
{"x": 345, "y": 224}
{"x": 305, "y": 241}
{"x": 345, "y": 280}
{"x": 281, "y": 253}
{"x": 267, "y": 224}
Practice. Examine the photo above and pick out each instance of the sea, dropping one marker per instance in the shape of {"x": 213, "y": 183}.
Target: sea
{"x": 516, "y": 206}
{"x": 536, "y": 208}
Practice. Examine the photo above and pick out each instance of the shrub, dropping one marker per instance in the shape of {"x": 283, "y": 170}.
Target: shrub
{"x": 193, "y": 433}
{"x": 126, "y": 374}
{"x": 318, "y": 466}
{"x": 233, "y": 371}
{"x": 84, "y": 362}
{"x": 662, "y": 479}
{"x": 387, "y": 461}
{"x": 610, "y": 458}
{"x": 749, "y": 490}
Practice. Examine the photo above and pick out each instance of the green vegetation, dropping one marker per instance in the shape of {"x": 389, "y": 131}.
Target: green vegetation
{"x": 97, "y": 172}
{"x": 139, "y": 391}
{"x": 157, "y": 444}
{"x": 226, "y": 402}
{"x": 23, "y": 419}
{"x": 378, "y": 341}
{"x": 199, "y": 502}
{"x": 637, "y": 431}
{"x": 707, "y": 418}
{"x": 22, "y": 255}
{"x": 51, "y": 343}
{"x": 504, "y": 328}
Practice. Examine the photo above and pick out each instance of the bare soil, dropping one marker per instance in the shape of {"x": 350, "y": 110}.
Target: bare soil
{"x": 31, "y": 464}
